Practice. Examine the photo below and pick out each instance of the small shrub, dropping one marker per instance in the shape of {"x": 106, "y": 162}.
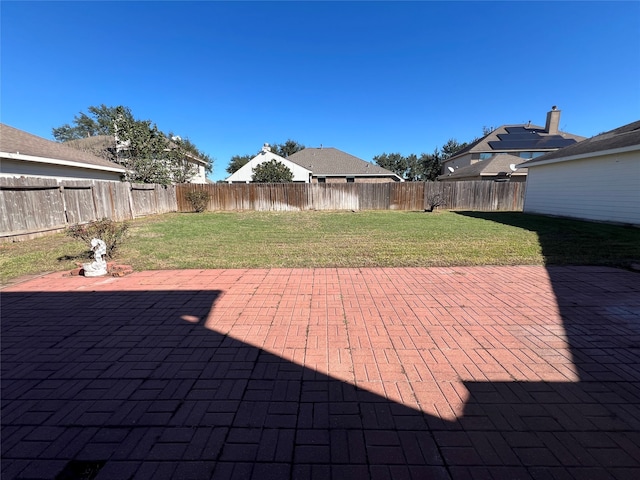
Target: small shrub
{"x": 434, "y": 201}
{"x": 199, "y": 199}
{"x": 110, "y": 232}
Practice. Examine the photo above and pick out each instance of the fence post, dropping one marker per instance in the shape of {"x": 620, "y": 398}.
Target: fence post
{"x": 64, "y": 203}
{"x": 130, "y": 195}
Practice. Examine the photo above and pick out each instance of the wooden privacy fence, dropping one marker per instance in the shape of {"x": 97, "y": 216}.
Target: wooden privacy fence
{"x": 480, "y": 196}
{"x": 32, "y": 206}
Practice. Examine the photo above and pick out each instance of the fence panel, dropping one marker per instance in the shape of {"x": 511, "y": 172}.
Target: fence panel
{"x": 143, "y": 199}
{"x": 78, "y": 201}
{"x": 31, "y": 206}
{"x": 27, "y": 206}
{"x": 165, "y": 198}
{"x": 477, "y": 195}
{"x": 407, "y": 196}
{"x": 374, "y": 196}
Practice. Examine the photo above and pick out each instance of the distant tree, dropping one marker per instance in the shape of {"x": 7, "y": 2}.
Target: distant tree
{"x": 149, "y": 155}
{"x": 272, "y": 171}
{"x": 487, "y": 130}
{"x": 143, "y": 150}
{"x": 283, "y": 150}
{"x": 430, "y": 165}
{"x": 392, "y": 161}
{"x": 426, "y": 167}
{"x": 452, "y": 147}
{"x": 237, "y": 162}
{"x": 413, "y": 170}
{"x": 100, "y": 121}
{"x": 287, "y": 148}
{"x": 190, "y": 148}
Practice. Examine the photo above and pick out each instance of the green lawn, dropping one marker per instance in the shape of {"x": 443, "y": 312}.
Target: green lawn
{"x": 341, "y": 239}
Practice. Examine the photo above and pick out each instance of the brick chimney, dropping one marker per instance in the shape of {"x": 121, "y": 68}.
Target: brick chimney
{"x": 553, "y": 121}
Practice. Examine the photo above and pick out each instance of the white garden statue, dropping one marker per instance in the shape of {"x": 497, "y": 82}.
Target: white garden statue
{"x": 99, "y": 266}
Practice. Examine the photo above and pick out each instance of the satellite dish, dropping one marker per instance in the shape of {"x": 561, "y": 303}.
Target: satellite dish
{"x": 513, "y": 167}
{"x": 451, "y": 169}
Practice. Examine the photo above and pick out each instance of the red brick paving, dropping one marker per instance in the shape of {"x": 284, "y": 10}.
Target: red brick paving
{"x": 483, "y": 372}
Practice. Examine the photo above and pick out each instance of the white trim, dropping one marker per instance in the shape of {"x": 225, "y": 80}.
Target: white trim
{"x": 55, "y": 161}
{"x": 581, "y": 156}
{"x": 341, "y": 175}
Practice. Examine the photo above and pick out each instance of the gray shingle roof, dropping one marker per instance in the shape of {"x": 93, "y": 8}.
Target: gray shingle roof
{"x": 13, "y": 140}
{"x": 625, "y": 136}
{"x": 492, "y": 167}
{"x": 333, "y": 162}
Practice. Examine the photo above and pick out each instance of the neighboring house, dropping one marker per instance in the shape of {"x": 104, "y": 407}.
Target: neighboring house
{"x": 319, "y": 165}
{"x": 514, "y": 143}
{"x": 597, "y": 179}
{"x": 245, "y": 173}
{"x": 105, "y": 146}
{"x": 330, "y": 165}
{"x": 24, "y": 154}
{"x": 499, "y": 168}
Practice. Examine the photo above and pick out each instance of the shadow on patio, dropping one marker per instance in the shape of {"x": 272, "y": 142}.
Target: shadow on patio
{"x": 131, "y": 384}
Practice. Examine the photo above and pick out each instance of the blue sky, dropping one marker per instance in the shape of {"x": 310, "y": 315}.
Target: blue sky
{"x": 364, "y": 77}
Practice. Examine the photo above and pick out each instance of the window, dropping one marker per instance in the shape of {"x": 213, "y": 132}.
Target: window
{"x": 322, "y": 180}
{"x": 350, "y": 179}
{"x": 530, "y": 154}
{"x": 485, "y": 156}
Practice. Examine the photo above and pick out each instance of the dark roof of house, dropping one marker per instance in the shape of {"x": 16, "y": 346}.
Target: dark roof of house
{"x": 621, "y": 137}
{"x": 13, "y": 140}
{"x": 333, "y": 162}
{"x": 496, "y": 166}
{"x": 519, "y": 138}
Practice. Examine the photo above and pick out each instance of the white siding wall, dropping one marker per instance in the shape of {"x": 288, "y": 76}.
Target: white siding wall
{"x": 200, "y": 176}
{"x": 17, "y": 168}
{"x": 605, "y": 188}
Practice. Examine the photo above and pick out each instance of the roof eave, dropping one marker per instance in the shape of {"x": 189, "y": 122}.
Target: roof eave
{"x": 583, "y": 156}
{"x": 56, "y": 161}
{"x": 358, "y": 175}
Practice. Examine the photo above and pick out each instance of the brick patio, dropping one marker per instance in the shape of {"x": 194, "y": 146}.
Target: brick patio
{"x": 404, "y": 373}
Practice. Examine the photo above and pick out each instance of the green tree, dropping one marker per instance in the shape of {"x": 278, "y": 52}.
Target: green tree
{"x": 149, "y": 155}
{"x": 99, "y": 121}
{"x": 452, "y": 147}
{"x": 272, "y": 171}
{"x": 191, "y": 150}
{"x": 392, "y": 161}
{"x": 237, "y": 162}
{"x": 413, "y": 172}
{"x": 287, "y": 148}
{"x": 430, "y": 165}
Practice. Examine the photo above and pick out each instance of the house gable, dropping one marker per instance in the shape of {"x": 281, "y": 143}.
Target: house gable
{"x": 245, "y": 173}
